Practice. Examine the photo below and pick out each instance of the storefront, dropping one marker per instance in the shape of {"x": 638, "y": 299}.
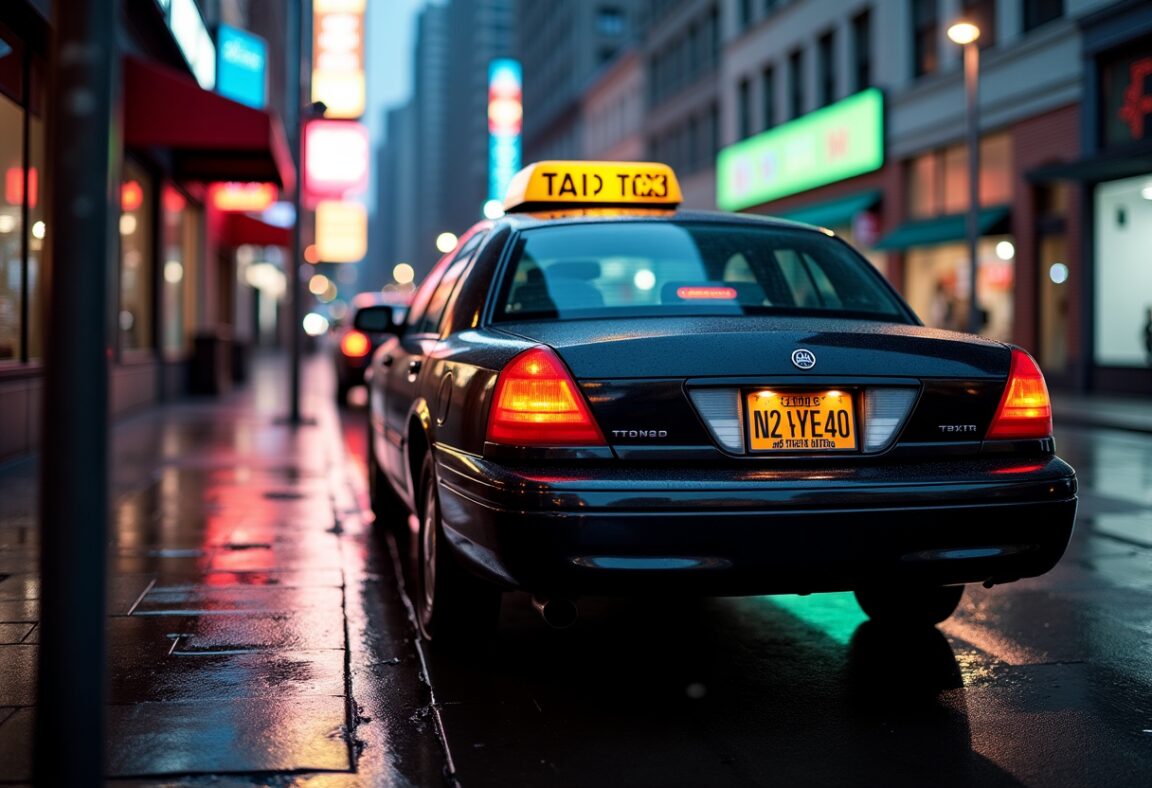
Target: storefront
{"x": 1114, "y": 170}
{"x": 825, "y": 168}
{"x": 176, "y": 280}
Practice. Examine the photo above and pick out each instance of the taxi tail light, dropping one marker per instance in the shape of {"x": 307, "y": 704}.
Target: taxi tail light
{"x": 355, "y": 344}
{"x": 1025, "y": 410}
{"x": 537, "y": 403}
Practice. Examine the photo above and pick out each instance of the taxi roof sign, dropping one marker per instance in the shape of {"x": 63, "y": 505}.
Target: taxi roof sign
{"x": 592, "y": 184}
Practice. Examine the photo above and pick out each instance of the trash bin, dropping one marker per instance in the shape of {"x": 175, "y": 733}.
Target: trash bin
{"x": 211, "y": 371}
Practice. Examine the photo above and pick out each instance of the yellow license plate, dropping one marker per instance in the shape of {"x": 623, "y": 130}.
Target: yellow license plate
{"x": 801, "y": 421}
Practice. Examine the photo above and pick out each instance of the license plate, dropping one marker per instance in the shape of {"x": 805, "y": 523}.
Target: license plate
{"x": 801, "y": 421}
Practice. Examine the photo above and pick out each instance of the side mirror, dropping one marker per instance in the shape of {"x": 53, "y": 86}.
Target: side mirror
{"x": 380, "y": 319}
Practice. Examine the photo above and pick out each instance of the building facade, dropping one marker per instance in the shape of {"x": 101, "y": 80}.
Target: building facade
{"x": 894, "y": 179}
{"x": 179, "y": 301}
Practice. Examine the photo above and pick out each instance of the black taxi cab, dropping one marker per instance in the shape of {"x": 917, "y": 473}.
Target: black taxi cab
{"x": 601, "y": 394}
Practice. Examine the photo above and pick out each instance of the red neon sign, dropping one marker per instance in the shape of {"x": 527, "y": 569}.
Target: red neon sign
{"x": 250, "y": 197}
{"x": 14, "y": 186}
{"x": 1137, "y": 104}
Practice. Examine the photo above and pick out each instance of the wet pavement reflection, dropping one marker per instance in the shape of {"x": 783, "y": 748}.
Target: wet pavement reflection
{"x": 1045, "y": 682}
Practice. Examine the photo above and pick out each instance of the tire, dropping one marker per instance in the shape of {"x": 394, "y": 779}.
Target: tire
{"x": 910, "y": 606}
{"x": 390, "y": 511}
{"x": 453, "y": 608}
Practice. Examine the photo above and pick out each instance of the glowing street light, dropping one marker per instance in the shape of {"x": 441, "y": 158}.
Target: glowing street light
{"x": 966, "y": 35}
{"x": 446, "y": 242}
{"x": 403, "y": 274}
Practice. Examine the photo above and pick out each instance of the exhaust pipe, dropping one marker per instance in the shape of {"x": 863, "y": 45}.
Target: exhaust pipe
{"x": 558, "y": 613}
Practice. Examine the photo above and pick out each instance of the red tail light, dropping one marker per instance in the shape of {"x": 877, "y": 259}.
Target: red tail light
{"x": 537, "y": 403}
{"x": 355, "y": 345}
{"x": 1025, "y": 410}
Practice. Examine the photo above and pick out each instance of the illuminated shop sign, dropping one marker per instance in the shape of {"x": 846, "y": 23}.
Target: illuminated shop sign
{"x": 336, "y": 156}
{"x": 840, "y": 141}
{"x": 341, "y": 231}
{"x": 249, "y": 197}
{"x": 192, "y": 37}
{"x": 505, "y": 114}
{"x": 338, "y": 56}
{"x": 241, "y": 66}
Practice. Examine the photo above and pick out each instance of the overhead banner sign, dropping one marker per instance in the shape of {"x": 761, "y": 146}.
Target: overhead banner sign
{"x": 338, "y": 57}
{"x": 242, "y": 66}
{"x": 839, "y": 141}
{"x": 341, "y": 231}
{"x": 336, "y": 159}
{"x": 505, "y": 116}
{"x": 191, "y": 34}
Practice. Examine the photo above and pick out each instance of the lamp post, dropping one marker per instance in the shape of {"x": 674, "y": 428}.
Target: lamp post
{"x": 966, "y": 35}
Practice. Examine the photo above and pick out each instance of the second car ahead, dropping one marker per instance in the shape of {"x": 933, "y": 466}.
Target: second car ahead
{"x": 601, "y": 394}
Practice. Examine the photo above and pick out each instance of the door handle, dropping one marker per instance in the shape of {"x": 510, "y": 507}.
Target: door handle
{"x": 414, "y": 366}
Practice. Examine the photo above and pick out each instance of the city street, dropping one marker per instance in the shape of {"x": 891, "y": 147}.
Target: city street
{"x": 1045, "y": 682}
{"x": 258, "y": 633}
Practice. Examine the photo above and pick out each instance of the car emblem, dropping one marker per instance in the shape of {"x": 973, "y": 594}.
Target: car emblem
{"x": 803, "y": 358}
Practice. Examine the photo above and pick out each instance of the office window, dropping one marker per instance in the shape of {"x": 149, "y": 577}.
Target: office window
{"x": 744, "y": 109}
{"x": 925, "y": 37}
{"x": 745, "y": 18}
{"x": 1039, "y": 12}
{"x": 826, "y": 64}
{"x": 862, "y": 51}
{"x": 981, "y": 13}
{"x": 796, "y": 83}
{"x": 768, "y": 97}
{"x": 610, "y": 21}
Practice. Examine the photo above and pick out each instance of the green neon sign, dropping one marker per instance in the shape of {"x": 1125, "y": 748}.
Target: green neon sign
{"x": 840, "y": 141}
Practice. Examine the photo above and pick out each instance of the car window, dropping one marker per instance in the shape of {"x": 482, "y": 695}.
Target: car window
{"x": 613, "y": 269}
{"x": 434, "y": 313}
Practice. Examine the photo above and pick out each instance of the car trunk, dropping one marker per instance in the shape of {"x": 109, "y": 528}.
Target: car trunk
{"x": 685, "y": 388}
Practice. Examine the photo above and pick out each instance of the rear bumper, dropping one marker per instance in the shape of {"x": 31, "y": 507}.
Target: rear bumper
{"x": 616, "y": 530}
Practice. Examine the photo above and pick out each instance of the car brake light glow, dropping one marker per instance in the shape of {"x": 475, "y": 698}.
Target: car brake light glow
{"x": 537, "y": 403}
{"x": 1025, "y": 410}
{"x": 355, "y": 345}
{"x": 706, "y": 293}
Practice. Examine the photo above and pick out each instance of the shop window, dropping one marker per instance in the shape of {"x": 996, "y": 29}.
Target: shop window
{"x": 179, "y": 246}
{"x": 1039, "y": 12}
{"x": 12, "y": 235}
{"x": 1123, "y": 285}
{"x": 610, "y": 21}
{"x": 36, "y": 236}
{"x": 925, "y": 37}
{"x": 955, "y": 196}
{"x": 995, "y": 169}
{"x": 922, "y": 191}
{"x": 136, "y": 227}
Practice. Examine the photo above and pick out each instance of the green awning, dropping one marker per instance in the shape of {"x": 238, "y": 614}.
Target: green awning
{"x": 833, "y": 213}
{"x": 942, "y": 229}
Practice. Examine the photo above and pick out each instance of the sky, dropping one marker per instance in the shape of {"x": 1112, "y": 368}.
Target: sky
{"x": 391, "y": 27}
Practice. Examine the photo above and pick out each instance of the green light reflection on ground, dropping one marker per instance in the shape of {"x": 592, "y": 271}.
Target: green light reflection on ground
{"x": 836, "y": 615}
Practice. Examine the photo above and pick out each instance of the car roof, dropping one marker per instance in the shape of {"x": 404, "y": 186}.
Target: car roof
{"x": 575, "y": 216}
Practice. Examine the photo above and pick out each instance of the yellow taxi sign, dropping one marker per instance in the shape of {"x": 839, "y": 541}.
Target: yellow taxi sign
{"x": 562, "y": 184}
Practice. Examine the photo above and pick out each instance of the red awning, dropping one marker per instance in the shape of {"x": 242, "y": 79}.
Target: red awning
{"x": 239, "y": 229}
{"x": 212, "y": 138}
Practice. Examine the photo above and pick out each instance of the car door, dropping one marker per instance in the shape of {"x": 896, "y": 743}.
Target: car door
{"x": 403, "y": 365}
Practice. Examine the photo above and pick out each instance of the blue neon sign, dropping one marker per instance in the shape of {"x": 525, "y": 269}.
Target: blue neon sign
{"x": 241, "y": 70}
{"x": 505, "y": 114}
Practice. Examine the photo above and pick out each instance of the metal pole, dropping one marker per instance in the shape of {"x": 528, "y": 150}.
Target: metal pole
{"x": 972, "y": 91}
{"x": 74, "y": 515}
{"x": 294, "y": 103}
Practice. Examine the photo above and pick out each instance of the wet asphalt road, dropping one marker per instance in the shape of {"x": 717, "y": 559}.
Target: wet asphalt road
{"x": 1045, "y": 682}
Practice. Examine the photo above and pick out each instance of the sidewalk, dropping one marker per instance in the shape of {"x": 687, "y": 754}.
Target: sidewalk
{"x": 1111, "y": 412}
{"x": 239, "y": 579}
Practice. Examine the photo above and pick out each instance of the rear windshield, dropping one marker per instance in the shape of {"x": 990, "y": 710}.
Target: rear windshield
{"x": 635, "y": 268}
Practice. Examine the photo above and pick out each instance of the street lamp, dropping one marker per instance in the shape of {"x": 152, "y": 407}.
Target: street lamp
{"x": 966, "y": 34}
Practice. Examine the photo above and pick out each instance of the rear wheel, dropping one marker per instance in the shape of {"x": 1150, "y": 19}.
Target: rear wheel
{"x": 909, "y": 606}
{"x": 452, "y": 606}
